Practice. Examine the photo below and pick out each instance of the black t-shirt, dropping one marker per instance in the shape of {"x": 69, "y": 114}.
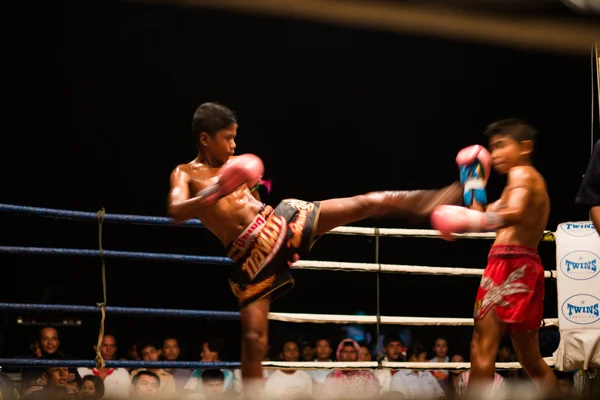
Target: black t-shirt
{"x": 589, "y": 191}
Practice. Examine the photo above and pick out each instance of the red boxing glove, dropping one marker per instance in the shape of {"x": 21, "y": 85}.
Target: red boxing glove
{"x": 245, "y": 169}
{"x": 455, "y": 219}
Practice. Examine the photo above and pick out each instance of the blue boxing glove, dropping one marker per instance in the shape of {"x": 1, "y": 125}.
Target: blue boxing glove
{"x": 474, "y": 164}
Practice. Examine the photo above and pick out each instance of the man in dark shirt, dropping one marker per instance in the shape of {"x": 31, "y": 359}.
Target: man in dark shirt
{"x": 589, "y": 192}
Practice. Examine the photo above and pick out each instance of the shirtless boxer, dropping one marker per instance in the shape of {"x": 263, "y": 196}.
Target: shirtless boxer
{"x": 219, "y": 189}
{"x": 511, "y": 292}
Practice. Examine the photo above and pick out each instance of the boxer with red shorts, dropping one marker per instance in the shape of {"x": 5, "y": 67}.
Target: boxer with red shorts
{"x": 511, "y": 292}
{"x": 264, "y": 242}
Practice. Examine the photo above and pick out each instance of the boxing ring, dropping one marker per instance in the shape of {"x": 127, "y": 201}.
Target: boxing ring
{"x": 104, "y": 310}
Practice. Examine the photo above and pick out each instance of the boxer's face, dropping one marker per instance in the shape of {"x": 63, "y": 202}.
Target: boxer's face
{"x": 508, "y": 152}
{"x": 505, "y": 153}
{"x": 222, "y": 145}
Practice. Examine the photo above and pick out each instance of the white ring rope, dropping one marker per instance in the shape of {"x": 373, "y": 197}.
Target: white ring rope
{"x": 387, "y": 364}
{"x": 393, "y": 268}
{"x": 548, "y": 236}
{"x": 372, "y": 319}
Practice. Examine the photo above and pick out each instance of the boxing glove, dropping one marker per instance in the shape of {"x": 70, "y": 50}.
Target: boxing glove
{"x": 455, "y": 219}
{"x": 246, "y": 169}
{"x": 474, "y": 164}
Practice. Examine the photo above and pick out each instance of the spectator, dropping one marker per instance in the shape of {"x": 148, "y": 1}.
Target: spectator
{"x": 440, "y": 349}
{"x": 211, "y": 352}
{"x": 7, "y": 387}
{"x": 308, "y": 351}
{"x": 364, "y": 354}
{"x": 288, "y": 382}
{"x": 116, "y": 381}
{"x": 394, "y": 352}
{"x": 92, "y": 388}
{"x": 145, "y": 384}
{"x": 463, "y": 380}
{"x": 323, "y": 350}
{"x": 50, "y": 349}
{"x": 506, "y": 354}
{"x": 172, "y": 352}
{"x": 454, "y": 374}
{"x": 55, "y": 386}
{"x": 213, "y": 386}
{"x": 350, "y": 383}
{"x": 415, "y": 384}
{"x": 149, "y": 351}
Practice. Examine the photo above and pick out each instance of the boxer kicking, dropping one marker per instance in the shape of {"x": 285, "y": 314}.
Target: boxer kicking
{"x": 220, "y": 190}
{"x": 511, "y": 292}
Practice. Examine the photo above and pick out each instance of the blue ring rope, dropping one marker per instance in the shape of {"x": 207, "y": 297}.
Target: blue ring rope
{"x": 133, "y": 311}
{"x": 35, "y": 362}
{"x": 91, "y": 216}
{"x": 131, "y": 255}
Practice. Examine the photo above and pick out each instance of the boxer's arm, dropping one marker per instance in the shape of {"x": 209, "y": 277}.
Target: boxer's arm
{"x": 520, "y": 190}
{"x": 180, "y": 206}
{"x": 493, "y": 207}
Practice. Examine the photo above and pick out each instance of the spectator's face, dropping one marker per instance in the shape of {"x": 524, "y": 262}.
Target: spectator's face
{"x": 364, "y": 354}
{"x": 440, "y": 347}
{"x": 171, "y": 349}
{"x": 290, "y": 352}
{"x": 133, "y": 353}
{"x": 323, "y": 350}
{"x": 212, "y": 387}
{"x": 393, "y": 351}
{"x": 457, "y": 358}
{"x": 208, "y": 355}
{"x": 57, "y": 376}
{"x": 88, "y": 389}
{"x": 36, "y": 349}
{"x": 504, "y": 354}
{"x": 308, "y": 353}
{"x": 419, "y": 358}
{"x": 349, "y": 353}
{"x": 146, "y": 387}
{"x": 108, "y": 348}
{"x": 149, "y": 353}
{"x": 49, "y": 340}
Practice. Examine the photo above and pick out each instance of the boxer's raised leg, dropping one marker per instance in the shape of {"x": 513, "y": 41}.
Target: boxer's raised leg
{"x": 402, "y": 204}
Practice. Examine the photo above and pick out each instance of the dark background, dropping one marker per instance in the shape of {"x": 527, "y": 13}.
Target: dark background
{"x": 100, "y": 99}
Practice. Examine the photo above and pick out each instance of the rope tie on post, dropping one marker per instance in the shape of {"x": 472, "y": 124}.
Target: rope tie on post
{"x": 100, "y": 363}
{"x": 380, "y": 356}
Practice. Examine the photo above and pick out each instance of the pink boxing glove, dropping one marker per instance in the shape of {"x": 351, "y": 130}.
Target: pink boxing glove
{"x": 475, "y": 165}
{"x": 245, "y": 169}
{"x": 455, "y": 219}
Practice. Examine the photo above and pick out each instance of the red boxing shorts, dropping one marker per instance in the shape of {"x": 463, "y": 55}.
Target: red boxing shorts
{"x": 513, "y": 285}
{"x": 263, "y": 251}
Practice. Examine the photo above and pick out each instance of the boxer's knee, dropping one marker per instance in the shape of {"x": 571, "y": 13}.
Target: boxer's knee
{"x": 255, "y": 343}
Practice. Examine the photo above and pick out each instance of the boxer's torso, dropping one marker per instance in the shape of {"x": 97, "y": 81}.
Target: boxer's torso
{"x": 529, "y": 231}
{"x": 230, "y": 215}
